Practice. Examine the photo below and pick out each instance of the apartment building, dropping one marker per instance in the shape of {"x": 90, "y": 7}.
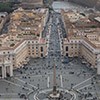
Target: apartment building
{"x": 24, "y": 40}
{"x": 83, "y": 38}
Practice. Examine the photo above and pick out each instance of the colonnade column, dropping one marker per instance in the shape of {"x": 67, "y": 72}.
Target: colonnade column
{"x": 11, "y": 70}
{"x": 3, "y": 72}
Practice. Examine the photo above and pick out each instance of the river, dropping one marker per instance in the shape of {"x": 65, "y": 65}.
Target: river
{"x": 58, "y": 5}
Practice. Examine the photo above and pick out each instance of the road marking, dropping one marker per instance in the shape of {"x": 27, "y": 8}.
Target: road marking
{"x": 50, "y": 73}
{"x": 8, "y": 94}
{"x": 19, "y": 80}
{"x": 30, "y": 75}
{"x": 60, "y": 41}
{"x": 84, "y": 87}
{"x": 25, "y": 82}
{"x": 16, "y": 84}
{"x": 48, "y": 82}
{"x": 61, "y": 81}
{"x": 48, "y": 90}
{"x": 35, "y": 97}
{"x": 20, "y": 75}
{"x": 83, "y": 81}
{"x": 12, "y": 83}
{"x": 37, "y": 75}
{"x": 29, "y": 92}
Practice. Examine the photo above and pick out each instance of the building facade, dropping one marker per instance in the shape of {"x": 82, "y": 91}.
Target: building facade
{"x": 83, "y": 38}
{"x": 24, "y": 40}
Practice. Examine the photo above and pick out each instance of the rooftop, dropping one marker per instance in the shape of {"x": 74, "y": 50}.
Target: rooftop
{"x": 79, "y": 26}
{"x": 24, "y": 25}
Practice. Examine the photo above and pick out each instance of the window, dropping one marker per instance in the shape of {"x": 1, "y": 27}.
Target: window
{"x": 75, "y": 46}
{"x": 71, "y": 46}
{"x": 66, "y": 48}
{"x": 41, "y": 54}
{"x": 36, "y": 42}
{"x": 36, "y": 47}
{"x": 66, "y": 54}
{"x": 72, "y": 53}
{"x": 41, "y": 49}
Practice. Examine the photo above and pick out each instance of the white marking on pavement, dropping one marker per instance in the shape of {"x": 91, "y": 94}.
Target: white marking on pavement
{"x": 50, "y": 73}
{"x": 25, "y": 82}
{"x": 16, "y": 84}
{"x": 47, "y": 90}
{"x": 84, "y": 87}
{"x": 30, "y": 75}
{"x": 29, "y": 92}
{"x": 8, "y": 94}
{"x": 12, "y": 83}
{"x": 35, "y": 97}
{"x": 61, "y": 81}
{"x": 20, "y": 80}
{"x": 48, "y": 82}
{"x": 38, "y": 75}
{"x": 83, "y": 81}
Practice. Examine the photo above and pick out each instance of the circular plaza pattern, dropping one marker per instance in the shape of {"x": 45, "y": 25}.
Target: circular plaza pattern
{"x": 44, "y": 94}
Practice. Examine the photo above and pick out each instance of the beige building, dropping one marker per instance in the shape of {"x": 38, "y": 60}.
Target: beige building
{"x": 83, "y": 38}
{"x": 24, "y": 40}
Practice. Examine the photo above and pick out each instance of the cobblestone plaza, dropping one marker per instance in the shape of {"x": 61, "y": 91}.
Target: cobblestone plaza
{"x": 34, "y": 81}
